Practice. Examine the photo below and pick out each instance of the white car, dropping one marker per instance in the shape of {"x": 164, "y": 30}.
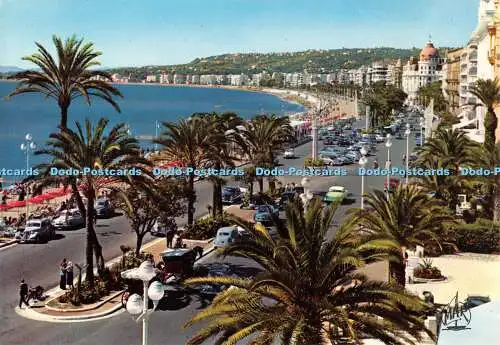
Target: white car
{"x": 329, "y": 161}
{"x": 161, "y": 229}
{"x": 69, "y": 219}
{"x": 379, "y": 138}
{"x": 289, "y": 153}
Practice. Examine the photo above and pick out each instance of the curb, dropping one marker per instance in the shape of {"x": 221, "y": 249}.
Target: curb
{"x": 98, "y": 305}
{"x": 8, "y": 244}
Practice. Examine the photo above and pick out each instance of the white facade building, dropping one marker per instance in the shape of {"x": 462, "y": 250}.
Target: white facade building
{"x": 425, "y": 71}
{"x": 151, "y": 78}
{"x": 475, "y": 65}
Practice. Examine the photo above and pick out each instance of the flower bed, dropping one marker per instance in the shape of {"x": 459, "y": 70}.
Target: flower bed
{"x": 428, "y": 273}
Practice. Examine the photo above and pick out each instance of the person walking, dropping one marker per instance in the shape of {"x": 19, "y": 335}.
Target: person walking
{"x": 69, "y": 274}
{"x": 23, "y": 294}
{"x": 62, "y": 274}
{"x": 375, "y": 163}
{"x": 170, "y": 237}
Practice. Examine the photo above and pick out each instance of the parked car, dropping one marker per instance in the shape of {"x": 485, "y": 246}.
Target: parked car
{"x": 331, "y": 160}
{"x": 265, "y": 213}
{"x": 330, "y": 141}
{"x": 38, "y": 231}
{"x": 226, "y": 236}
{"x": 104, "y": 208}
{"x": 379, "y": 138}
{"x": 344, "y": 160}
{"x": 393, "y": 184}
{"x": 335, "y": 194}
{"x": 354, "y": 155}
{"x": 69, "y": 219}
{"x": 231, "y": 195}
{"x": 289, "y": 153}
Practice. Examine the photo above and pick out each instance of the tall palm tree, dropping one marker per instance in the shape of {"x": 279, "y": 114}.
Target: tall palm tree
{"x": 262, "y": 138}
{"x": 409, "y": 218}
{"x": 488, "y": 92}
{"x": 66, "y": 77}
{"x": 187, "y": 141}
{"x": 88, "y": 147}
{"x": 221, "y": 153}
{"x": 309, "y": 291}
{"x": 448, "y": 149}
{"x": 490, "y": 160}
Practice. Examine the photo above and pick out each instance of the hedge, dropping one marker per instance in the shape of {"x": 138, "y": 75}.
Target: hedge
{"x": 483, "y": 236}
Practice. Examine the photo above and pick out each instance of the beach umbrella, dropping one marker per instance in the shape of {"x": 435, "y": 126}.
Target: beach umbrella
{"x": 40, "y": 198}
{"x": 4, "y": 207}
{"x": 17, "y": 203}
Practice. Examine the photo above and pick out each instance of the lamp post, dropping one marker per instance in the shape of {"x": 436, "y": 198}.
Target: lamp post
{"x": 422, "y": 122}
{"x": 157, "y": 127}
{"x": 407, "y": 133}
{"x": 27, "y": 146}
{"x": 362, "y": 161}
{"x": 314, "y": 133}
{"x": 137, "y": 305}
{"x": 388, "y": 144}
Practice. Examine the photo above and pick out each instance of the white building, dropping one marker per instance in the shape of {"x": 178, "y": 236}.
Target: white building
{"x": 195, "y": 79}
{"x": 474, "y": 65}
{"x": 166, "y": 78}
{"x": 151, "y": 78}
{"x": 208, "y": 79}
{"x": 378, "y": 72}
{"x": 425, "y": 71}
{"x": 239, "y": 80}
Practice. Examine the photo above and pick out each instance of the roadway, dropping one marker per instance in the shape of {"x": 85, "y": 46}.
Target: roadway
{"x": 39, "y": 263}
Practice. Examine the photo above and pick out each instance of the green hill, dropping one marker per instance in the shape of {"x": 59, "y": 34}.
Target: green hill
{"x": 314, "y": 61}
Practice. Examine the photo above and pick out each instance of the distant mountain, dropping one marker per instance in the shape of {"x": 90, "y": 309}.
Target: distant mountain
{"x": 10, "y": 69}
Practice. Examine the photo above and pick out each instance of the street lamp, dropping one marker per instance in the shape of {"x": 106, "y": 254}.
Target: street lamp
{"x": 27, "y": 146}
{"x": 407, "y": 133}
{"x": 422, "y": 123}
{"x": 314, "y": 133}
{"x": 137, "y": 305}
{"x": 388, "y": 144}
{"x": 362, "y": 161}
{"x": 157, "y": 127}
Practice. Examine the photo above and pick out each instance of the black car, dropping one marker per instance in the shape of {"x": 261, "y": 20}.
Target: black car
{"x": 231, "y": 195}
{"x": 330, "y": 141}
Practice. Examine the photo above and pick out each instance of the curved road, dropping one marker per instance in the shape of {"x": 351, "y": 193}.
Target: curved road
{"x": 38, "y": 264}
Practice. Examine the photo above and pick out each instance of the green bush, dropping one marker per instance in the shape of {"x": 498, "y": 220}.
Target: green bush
{"x": 205, "y": 228}
{"x": 310, "y": 162}
{"x": 483, "y": 236}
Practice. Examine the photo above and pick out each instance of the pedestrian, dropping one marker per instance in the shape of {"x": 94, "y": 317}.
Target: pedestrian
{"x": 62, "y": 274}
{"x": 69, "y": 274}
{"x": 170, "y": 237}
{"x": 23, "y": 294}
{"x": 388, "y": 164}
{"x": 375, "y": 163}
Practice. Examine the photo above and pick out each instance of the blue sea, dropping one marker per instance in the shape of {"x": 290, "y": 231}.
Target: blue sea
{"x": 141, "y": 106}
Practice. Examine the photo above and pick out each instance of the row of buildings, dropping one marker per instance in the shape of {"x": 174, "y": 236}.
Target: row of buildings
{"x": 464, "y": 66}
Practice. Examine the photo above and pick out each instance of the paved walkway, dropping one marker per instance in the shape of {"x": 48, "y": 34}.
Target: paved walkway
{"x": 467, "y": 273}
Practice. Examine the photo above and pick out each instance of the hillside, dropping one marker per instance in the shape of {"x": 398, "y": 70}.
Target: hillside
{"x": 314, "y": 61}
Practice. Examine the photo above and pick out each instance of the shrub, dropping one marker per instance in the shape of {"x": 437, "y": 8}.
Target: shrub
{"x": 310, "y": 162}
{"x": 483, "y": 236}
{"x": 427, "y": 271}
{"x": 205, "y": 228}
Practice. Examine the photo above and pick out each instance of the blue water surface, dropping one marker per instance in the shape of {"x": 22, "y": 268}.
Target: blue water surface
{"x": 141, "y": 106}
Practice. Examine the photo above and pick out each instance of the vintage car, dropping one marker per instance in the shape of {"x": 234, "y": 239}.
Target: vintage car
{"x": 38, "y": 231}
{"x": 335, "y": 194}
{"x": 69, "y": 219}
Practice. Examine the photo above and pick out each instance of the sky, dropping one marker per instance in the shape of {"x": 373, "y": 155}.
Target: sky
{"x": 163, "y": 32}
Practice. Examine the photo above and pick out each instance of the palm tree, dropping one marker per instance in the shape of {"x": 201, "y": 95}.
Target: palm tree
{"x": 187, "y": 141}
{"x": 488, "y": 92}
{"x": 448, "y": 149}
{"x": 409, "y": 218}
{"x": 89, "y": 148}
{"x": 309, "y": 291}
{"x": 67, "y": 77}
{"x": 490, "y": 160}
{"x": 221, "y": 153}
{"x": 262, "y": 138}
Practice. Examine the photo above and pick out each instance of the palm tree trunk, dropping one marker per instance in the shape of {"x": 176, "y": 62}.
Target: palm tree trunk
{"x": 64, "y": 116}
{"x": 138, "y": 242}
{"x": 90, "y": 240}
{"x": 261, "y": 184}
{"x": 214, "y": 198}
{"x": 490, "y": 124}
{"x": 398, "y": 272}
{"x": 220, "y": 208}
{"x": 496, "y": 202}
{"x": 191, "y": 199}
